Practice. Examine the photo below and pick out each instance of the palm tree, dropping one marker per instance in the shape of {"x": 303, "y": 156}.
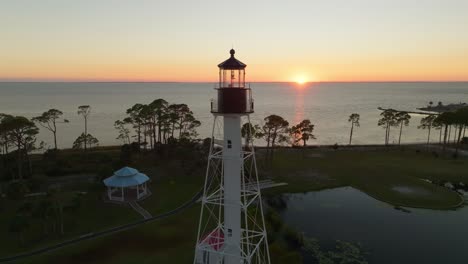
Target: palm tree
{"x": 354, "y": 119}
{"x": 446, "y": 119}
{"x": 461, "y": 120}
{"x": 303, "y": 131}
{"x": 387, "y": 120}
{"x": 402, "y": 118}
{"x": 22, "y": 132}
{"x": 49, "y": 120}
{"x": 84, "y": 110}
{"x": 427, "y": 123}
{"x": 274, "y": 126}
{"x": 249, "y": 132}
{"x": 158, "y": 107}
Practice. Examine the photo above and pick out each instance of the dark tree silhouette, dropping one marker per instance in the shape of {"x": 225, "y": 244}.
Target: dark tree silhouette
{"x": 354, "y": 119}
{"x": 427, "y": 123}
{"x": 124, "y": 132}
{"x": 22, "y": 133}
{"x": 303, "y": 131}
{"x": 275, "y": 127}
{"x": 446, "y": 119}
{"x": 158, "y": 107}
{"x": 49, "y": 120}
{"x": 387, "y": 120}
{"x": 5, "y": 141}
{"x": 249, "y": 132}
{"x": 85, "y": 141}
{"x": 85, "y": 111}
{"x": 402, "y": 119}
{"x": 136, "y": 120}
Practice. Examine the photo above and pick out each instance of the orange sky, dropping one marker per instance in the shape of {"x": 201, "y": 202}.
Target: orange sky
{"x": 311, "y": 40}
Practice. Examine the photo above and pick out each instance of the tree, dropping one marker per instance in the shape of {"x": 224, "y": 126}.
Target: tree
{"x": 249, "y": 132}
{"x": 5, "y": 141}
{"x": 303, "y": 132}
{"x": 427, "y": 123}
{"x": 184, "y": 114}
{"x": 49, "y": 121}
{"x": 275, "y": 127}
{"x": 85, "y": 141}
{"x": 354, "y": 119}
{"x": 85, "y": 111}
{"x": 135, "y": 118}
{"x": 146, "y": 115}
{"x": 189, "y": 126}
{"x": 387, "y": 120}
{"x": 446, "y": 119}
{"x": 461, "y": 121}
{"x": 402, "y": 119}
{"x": 158, "y": 108}
{"x": 124, "y": 132}
{"x": 436, "y": 124}
{"x": 173, "y": 117}
{"x": 22, "y": 132}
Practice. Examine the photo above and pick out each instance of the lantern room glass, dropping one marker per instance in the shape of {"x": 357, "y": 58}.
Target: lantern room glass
{"x": 231, "y": 78}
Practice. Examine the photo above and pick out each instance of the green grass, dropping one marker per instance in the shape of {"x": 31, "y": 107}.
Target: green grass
{"x": 170, "y": 186}
{"x": 373, "y": 172}
{"x": 171, "y": 240}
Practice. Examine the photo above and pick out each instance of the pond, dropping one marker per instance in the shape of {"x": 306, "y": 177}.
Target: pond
{"x": 387, "y": 234}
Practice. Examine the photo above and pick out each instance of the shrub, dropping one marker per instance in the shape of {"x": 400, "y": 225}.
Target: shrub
{"x": 293, "y": 238}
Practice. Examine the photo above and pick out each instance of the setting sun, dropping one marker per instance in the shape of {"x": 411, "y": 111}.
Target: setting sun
{"x": 300, "y": 79}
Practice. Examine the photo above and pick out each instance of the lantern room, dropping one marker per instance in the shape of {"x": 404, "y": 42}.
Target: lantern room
{"x": 232, "y": 73}
{"x": 233, "y": 95}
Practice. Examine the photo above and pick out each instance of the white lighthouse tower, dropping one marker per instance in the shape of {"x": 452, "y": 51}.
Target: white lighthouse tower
{"x": 232, "y": 226}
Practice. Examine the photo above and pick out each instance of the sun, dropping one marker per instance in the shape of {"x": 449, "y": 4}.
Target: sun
{"x": 300, "y": 80}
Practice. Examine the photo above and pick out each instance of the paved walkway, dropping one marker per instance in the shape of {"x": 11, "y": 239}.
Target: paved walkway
{"x": 265, "y": 184}
{"x": 140, "y": 210}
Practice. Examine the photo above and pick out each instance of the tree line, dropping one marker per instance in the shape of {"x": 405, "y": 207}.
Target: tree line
{"x": 444, "y": 122}
{"x": 154, "y": 123}
{"x": 157, "y": 123}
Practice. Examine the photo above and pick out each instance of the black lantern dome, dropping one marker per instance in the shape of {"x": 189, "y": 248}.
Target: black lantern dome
{"x": 233, "y": 95}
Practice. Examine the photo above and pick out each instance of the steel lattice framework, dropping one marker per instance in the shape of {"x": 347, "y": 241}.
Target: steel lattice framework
{"x": 253, "y": 243}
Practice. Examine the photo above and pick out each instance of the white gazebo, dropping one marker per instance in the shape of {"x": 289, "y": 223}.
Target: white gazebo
{"x": 126, "y": 184}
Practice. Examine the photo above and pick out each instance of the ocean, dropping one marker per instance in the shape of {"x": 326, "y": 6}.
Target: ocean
{"x": 327, "y": 105}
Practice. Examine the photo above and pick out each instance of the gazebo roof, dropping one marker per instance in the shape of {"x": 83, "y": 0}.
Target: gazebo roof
{"x": 126, "y": 177}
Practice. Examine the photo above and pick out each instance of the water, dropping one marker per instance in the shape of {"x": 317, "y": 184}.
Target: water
{"x": 390, "y": 236}
{"x": 328, "y": 105}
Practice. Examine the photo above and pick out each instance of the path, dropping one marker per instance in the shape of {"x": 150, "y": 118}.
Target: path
{"x": 140, "y": 210}
{"x": 264, "y": 184}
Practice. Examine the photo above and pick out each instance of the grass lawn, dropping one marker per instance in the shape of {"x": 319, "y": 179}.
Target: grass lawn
{"x": 395, "y": 176}
{"x": 392, "y": 176}
{"x": 170, "y": 240}
{"x": 170, "y": 187}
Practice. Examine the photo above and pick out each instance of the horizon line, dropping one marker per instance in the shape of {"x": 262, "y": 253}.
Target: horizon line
{"x": 128, "y": 81}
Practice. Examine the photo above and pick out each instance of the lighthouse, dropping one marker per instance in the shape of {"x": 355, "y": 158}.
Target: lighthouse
{"x": 231, "y": 225}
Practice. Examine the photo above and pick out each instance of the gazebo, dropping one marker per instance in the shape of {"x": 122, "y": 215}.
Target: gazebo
{"x": 126, "y": 184}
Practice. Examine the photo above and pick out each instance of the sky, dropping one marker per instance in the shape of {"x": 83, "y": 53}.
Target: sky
{"x": 308, "y": 40}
